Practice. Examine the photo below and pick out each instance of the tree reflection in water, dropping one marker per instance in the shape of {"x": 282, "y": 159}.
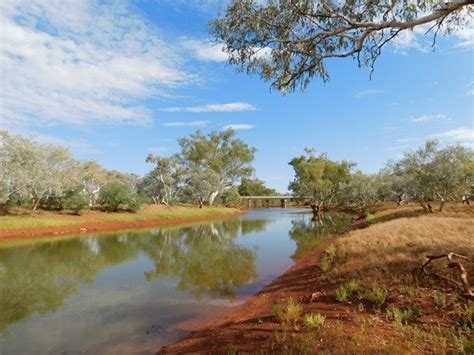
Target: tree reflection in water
{"x": 308, "y": 232}
{"x": 39, "y": 277}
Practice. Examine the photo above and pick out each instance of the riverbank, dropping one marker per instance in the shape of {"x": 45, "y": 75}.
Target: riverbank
{"x": 25, "y": 225}
{"x": 359, "y": 293}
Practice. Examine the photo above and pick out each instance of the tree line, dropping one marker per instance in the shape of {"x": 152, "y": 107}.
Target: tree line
{"x": 429, "y": 174}
{"x": 217, "y": 168}
{"x": 207, "y": 169}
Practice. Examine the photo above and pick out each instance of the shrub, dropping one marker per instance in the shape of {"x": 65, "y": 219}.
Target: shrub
{"x": 346, "y": 291}
{"x": 404, "y": 316}
{"x": 314, "y": 320}
{"x": 115, "y": 196}
{"x": 75, "y": 201}
{"x": 289, "y": 312}
{"x": 329, "y": 255}
{"x": 377, "y": 295}
{"x": 369, "y": 218}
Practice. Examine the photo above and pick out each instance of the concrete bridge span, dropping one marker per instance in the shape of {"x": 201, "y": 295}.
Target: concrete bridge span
{"x": 252, "y": 200}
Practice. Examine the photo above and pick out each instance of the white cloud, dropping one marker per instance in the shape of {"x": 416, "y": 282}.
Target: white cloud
{"x": 228, "y": 107}
{"x": 185, "y": 124}
{"x": 81, "y": 61}
{"x": 426, "y": 118}
{"x": 466, "y": 35}
{"x": 458, "y": 134}
{"x": 237, "y": 126}
{"x": 365, "y": 93}
{"x": 205, "y": 50}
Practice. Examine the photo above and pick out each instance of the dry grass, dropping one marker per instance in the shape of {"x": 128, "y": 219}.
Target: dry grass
{"x": 388, "y": 251}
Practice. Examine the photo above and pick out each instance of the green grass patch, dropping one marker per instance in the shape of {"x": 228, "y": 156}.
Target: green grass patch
{"x": 148, "y": 213}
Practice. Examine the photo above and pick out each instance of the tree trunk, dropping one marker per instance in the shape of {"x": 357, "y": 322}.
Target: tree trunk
{"x": 213, "y": 197}
{"x": 441, "y": 206}
{"x": 425, "y": 208}
{"x": 430, "y": 208}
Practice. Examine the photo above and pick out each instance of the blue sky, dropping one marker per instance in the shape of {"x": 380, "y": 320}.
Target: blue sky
{"x": 116, "y": 80}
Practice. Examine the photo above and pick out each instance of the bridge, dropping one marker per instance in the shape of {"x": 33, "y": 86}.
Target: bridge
{"x": 252, "y": 200}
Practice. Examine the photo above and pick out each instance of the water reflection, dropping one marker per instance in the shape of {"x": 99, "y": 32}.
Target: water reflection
{"x": 205, "y": 260}
{"x": 308, "y": 232}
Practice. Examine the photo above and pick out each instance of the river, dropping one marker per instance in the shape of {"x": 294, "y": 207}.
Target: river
{"x": 134, "y": 291}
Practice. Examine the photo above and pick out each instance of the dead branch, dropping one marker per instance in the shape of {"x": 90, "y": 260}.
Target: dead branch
{"x": 468, "y": 292}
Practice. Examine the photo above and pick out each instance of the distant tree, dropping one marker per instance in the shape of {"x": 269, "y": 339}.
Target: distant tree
{"x": 434, "y": 174}
{"x": 254, "y": 187}
{"x": 318, "y": 178}
{"x": 391, "y": 186}
{"x": 219, "y": 153}
{"x": 230, "y": 197}
{"x": 289, "y": 42}
{"x": 201, "y": 186}
{"x": 167, "y": 179}
{"x": 360, "y": 190}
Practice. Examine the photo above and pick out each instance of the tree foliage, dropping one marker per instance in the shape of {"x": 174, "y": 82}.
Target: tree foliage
{"x": 48, "y": 177}
{"x": 254, "y": 187}
{"x": 317, "y": 178}
{"x": 219, "y": 153}
{"x": 289, "y": 42}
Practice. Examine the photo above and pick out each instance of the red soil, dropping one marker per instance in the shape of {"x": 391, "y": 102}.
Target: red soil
{"x": 91, "y": 227}
{"x": 251, "y": 327}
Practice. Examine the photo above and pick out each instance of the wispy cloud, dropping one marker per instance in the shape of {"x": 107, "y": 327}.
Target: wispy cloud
{"x": 238, "y": 126}
{"x": 205, "y": 50}
{"x": 426, "y": 118}
{"x": 228, "y": 107}
{"x": 369, "y": 92}
{"x": 185, "y": 124}
{"x": 459, "y": 134}
{"x": 81, "y": 61}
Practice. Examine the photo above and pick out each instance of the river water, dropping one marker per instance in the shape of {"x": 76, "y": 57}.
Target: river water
{"x": 134, "y": 291}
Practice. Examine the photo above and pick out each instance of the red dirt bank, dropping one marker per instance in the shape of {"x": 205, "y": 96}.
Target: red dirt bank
{"x": 251, "y": 327}
{"x": 103, "y": 226}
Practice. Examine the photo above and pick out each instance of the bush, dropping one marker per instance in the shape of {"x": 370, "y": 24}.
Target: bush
{"x": 116, "y": 196}
{"x": 404, "y": 316}
{"x": 377, "y": 295}
{"x": 75, "y": 201}
{"x": 288, "y": 312}
{"x": 346, "y": 291}
{"x": 329, "y": 255}
{"x": 314, "y": 320}
{"x": 369, "y": 218}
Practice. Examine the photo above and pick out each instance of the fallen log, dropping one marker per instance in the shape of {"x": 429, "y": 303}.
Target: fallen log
{"x": 467, "y": 291}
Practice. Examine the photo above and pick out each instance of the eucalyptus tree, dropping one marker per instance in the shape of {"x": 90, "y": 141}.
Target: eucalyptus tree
{"x": 289, "y": 42}
{"x": 434, "y": 174}
{"x": 219, "y": 153}
{"x": 318, "y": 178}
{"x": 201, "y": 186}
{"x": 254, "y": 187}
{"x": 16, "y": 155}
{"x": 167, "y": 179}
{"x": 361, "y": 190}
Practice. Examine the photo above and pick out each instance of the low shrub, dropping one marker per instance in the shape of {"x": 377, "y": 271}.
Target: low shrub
{"x": 369, "y": 218}
{"x": 329, "y": 255}
{"x": 404, "y": 316}
{"x": 75, "y": 201}
{"x": 377, "y": 295}
{"x": 314, "y": 320}
{"x": 288, "y": 312}
{"x": 345, "y": 291}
